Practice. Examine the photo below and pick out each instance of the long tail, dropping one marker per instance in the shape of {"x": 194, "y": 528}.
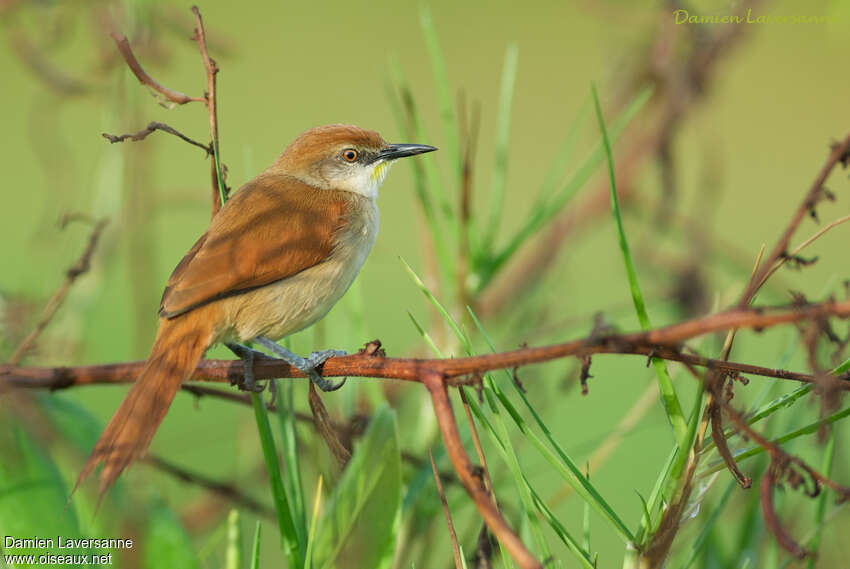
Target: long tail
{"x": 180, "y": 343}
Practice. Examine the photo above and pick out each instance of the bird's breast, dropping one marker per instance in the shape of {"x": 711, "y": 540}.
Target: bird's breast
{"x": 294, "y": 303}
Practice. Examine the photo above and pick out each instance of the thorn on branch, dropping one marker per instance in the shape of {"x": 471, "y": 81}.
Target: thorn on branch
{"x": 797, "y": 262}
{"x": 828, "y": 194}
{"x": 478, "y": 383}
{"x": 585, "y": 373}
{"x": 373, "y": 349}
{"x": 517, "y": 381}
{"x": 152, "y": 127}
{"x": 484, "y": 549}
{"x": 844, "y": 159}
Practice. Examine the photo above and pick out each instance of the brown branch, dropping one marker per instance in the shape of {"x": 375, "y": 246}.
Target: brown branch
{"x": 777, "y": 454}
{"x": 771, "y": 519}
{"x": 211, "y": 67}
{"x": 170, "y": 94}
{"x": 838, "y": 155}
{"x": 452, "y": 534}
{"x": 469, "y": 474}
{"x": 660, "y": 342}
{"x": 81, "y": 266}
{"x": 152, "y": 127}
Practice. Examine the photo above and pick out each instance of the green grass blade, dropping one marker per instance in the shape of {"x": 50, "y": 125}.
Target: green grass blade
{"x": 425, "y": 177}
{"x": 498, "y": 178}
{"x": 655, "y": 497}
{"x": 308, "y": 557}
{"x": 566, "y": 467}
{"x": 233, "y": 553}
{"x": 441, "y": 82}
{"x": 561, "y": 159}
{"x": 255, "y": 549}
{"x": 690, "y": 439}
{"x": 288, "y": 536}
{"x": 554, "y": 201}
{"x": 436, "y": 303}
{"x": 820, "y": 513}
{"x": 586, "y": 515}
{"x": 291, "y": 457}
{"x": 665, "y": 383}
{"x": 362, "y": 511}
{"x": 523, "y": 485}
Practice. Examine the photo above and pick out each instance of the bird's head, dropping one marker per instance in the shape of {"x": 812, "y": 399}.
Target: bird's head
{"x": 343, "y": 157}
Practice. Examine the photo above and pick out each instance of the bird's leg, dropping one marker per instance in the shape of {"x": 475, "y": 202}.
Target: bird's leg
{"x": 307, "y": 365}
{"x": 246, "y": 354}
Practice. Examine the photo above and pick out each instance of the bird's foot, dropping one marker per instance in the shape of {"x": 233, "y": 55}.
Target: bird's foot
{"x": 246, "y": 354}
{"x": 308, "y": 366}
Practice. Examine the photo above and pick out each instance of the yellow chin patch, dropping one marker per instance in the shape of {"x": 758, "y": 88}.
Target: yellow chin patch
{"x": 380, "y": 172}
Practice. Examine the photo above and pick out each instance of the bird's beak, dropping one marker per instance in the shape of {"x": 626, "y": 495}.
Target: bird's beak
{"x": 394, "y": 151}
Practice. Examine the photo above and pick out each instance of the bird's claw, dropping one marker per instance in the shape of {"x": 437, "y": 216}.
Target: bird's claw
{"x": 315, "y": 360}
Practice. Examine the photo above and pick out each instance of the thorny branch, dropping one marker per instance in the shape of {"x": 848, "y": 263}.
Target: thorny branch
{"x": 660, "y": 342}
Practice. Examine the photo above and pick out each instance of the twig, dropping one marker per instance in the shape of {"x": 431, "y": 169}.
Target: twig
{"x": 152, "y": 127}
{"x": 793, "y": 254}
{"x": 838, "y": 155}
{"x": 81, "y": 266}
{"x": 170, "y": 94}
{"x": 452, "y": 534}
{"x": 219, "y": 190}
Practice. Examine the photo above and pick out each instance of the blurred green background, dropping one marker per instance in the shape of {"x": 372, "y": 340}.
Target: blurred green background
{"x": 745, "y": 153}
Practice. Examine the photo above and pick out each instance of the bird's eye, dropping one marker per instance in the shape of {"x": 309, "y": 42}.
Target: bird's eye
{"x": 349, "y": 154}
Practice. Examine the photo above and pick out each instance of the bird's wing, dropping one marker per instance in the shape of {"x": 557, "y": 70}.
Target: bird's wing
{"x": 273, "y": 228}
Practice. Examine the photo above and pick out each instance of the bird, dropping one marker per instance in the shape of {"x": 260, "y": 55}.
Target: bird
{"x": 276, "y": 257}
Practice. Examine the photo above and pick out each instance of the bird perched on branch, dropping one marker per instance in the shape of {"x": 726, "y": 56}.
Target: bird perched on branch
{"x": 275, "y": 259}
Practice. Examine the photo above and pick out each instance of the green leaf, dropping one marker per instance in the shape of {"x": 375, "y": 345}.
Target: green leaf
{"x": 255, "y": 550}
{"x": 166, "y": 543}
{"x": 498, "y": 180}
{"x": 291, "y": 457}
{"x": 665, "y": 384}
{"x": 441, "y": 82}
{"x": 32, "y": 493}
{"x": 292, "y": 548}
{"x": 233, "y": 553}
{"x": 359, "y": 526}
